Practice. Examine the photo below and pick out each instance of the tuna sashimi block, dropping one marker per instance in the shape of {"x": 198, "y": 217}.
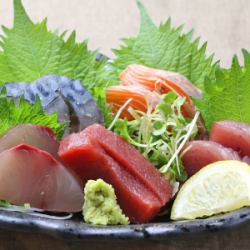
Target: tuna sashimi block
{"x": 232, "y": 134}
{"x": 30, "y": 175}
{"x": 134, "y": 162}
{"x": 202, "y": 153}
{"x": 141, "y": 191}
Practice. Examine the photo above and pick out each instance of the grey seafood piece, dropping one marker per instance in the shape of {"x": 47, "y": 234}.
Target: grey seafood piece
{"x": 67, "y": 97}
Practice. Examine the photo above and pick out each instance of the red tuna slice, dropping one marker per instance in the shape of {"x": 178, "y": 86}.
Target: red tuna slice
{"x": 246, "y": 159}
{"x": 232, "y": 134}
{"x": 90, "y": 161}
{"x": 128, "y": 157}
{"x": 29, "y": 175}
{"x": 202, "y": 153}
{"x": 38, "y": 136}
{"x": 84, "y": 155}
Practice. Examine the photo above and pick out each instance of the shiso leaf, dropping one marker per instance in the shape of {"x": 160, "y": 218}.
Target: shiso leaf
{"x": 165, "y": 48}
{"x": 13, "y": 112}
{"x": 30, "y": 51}
{"x": 228, "y": 96}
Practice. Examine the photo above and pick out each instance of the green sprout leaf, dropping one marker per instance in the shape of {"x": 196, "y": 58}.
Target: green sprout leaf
{"x": 159, "y": 135}
{"x": 4, "y": 203}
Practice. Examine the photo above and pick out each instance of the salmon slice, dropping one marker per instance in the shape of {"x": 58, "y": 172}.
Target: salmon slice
{"x": 154, "y": 80}
{"x": 160, "y": 81}
{"x": 29, "y": 175}
{"x": 130, "y": 175}
{"x": 202, "y": 153}
{"x": 38, "y": 136}
{"x": 140, "y": 98}
{"x": 232, "y": 134}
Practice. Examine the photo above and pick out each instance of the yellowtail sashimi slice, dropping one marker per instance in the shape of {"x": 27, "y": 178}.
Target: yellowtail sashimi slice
{"x": 29, "y": 175}
{"x": 37, "y": 136}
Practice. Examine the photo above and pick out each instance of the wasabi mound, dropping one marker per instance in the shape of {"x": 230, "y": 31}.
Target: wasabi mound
{"x": 100, "y": 205}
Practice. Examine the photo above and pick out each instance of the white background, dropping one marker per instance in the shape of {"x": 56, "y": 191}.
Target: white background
{"x": 225, "y": 24}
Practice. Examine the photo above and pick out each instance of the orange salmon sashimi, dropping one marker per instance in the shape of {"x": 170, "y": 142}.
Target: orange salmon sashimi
{"x": 160, "y": 81}
{"x": 117, "y": 96}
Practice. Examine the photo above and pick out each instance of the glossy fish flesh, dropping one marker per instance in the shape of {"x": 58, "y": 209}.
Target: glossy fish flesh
{"x": 202, "y": 153}
{"x": 98, "y": 153}
{"x": 30, "y": 175}
{"x": 67, "y": 97}
{"x": 34, "y": 135}
{"x": 232, "y": 134}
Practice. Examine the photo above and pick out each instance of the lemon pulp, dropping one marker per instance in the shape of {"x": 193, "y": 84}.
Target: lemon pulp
{"x": 219, "y": 187}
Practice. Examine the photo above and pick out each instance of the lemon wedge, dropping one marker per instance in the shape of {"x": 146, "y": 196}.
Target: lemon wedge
{"x": 219, "y": 187}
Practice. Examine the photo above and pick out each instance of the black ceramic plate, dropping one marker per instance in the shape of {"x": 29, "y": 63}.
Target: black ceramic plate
{"x": 227, "y": 230}
{"x": 74, "y": 229}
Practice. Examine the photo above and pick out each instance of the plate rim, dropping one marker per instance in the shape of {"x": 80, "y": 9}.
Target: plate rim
{"x": 79, "y": 231}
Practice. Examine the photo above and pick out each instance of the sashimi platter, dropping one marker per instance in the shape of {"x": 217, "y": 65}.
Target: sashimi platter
{"x": 159, "y": 133}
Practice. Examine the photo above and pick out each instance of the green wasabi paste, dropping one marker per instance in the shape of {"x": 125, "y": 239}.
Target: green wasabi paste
{"x": 100, "y": 205}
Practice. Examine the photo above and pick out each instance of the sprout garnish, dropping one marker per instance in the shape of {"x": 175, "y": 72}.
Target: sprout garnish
{"x": 159, "y": 134}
